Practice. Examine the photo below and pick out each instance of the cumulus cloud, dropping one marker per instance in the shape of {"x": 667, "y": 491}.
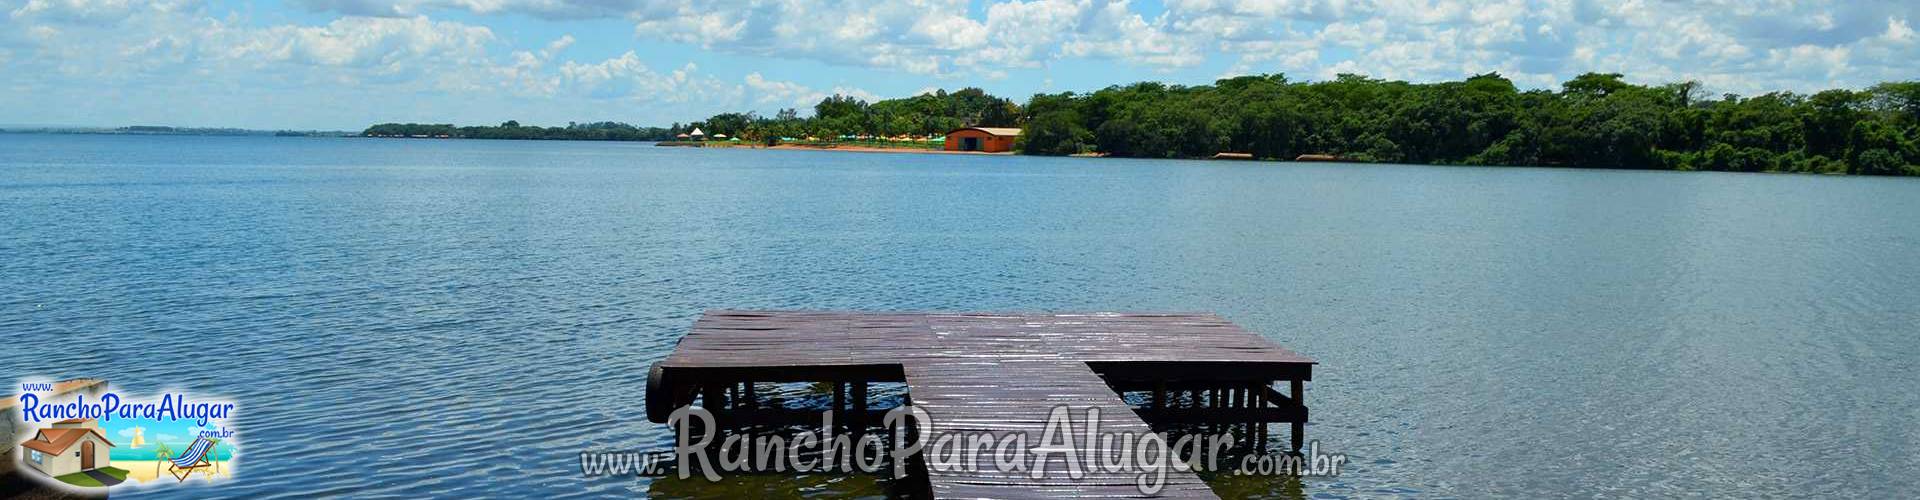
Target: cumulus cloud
{"x": 1532, "y": 40}
{"x": 926, "y": 37}
{"x": 98, "y": 10}
{"x": 383, "y": 45}
{"x": 793, "y": 95}
{"x": 451, "y": 48}
{"x": 547, "y": 9}
{"x": 628, "y": 78}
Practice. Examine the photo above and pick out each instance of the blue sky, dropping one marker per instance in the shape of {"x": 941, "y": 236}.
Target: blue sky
{"x": 344, "y": 64}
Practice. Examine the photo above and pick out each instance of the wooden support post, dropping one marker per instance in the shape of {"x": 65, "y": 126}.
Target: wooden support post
{"x": 1231, "y": 401}
{"x": 1239, "y": 400}
{"x": 711, "y": 397}
{"x": 839, "y": 403}
{"x": 1299, "y": 428}
{"x": 1213, "y": 401}
{"x": 860, "y": 406}
{"x": 1259, "y": 428}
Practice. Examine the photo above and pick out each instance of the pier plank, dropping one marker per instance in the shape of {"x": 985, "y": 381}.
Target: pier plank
{"x": 997, "y": 374}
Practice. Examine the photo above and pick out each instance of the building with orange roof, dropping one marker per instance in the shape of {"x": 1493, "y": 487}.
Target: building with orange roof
{"x": 69, "y": 446}
{"x": 986, "y": 139}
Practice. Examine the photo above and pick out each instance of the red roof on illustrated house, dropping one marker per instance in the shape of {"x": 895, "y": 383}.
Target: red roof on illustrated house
{"x": 57, "y": 441}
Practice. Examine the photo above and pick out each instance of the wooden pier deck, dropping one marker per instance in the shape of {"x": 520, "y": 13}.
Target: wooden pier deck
{"x": 1002, "y": 374}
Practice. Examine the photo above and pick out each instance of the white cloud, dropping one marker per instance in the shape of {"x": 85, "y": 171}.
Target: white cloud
{"x": 628, "y": 78}
{"x": 98, "y": 10}
{"x": 1529, "y": 39}
{"x": 1898, "y": 31}
{"x": 547, "y": 9}
{"x": 385, "y": 45}
{"x": 403, "y": 51}
{"x": 787, "y": 94}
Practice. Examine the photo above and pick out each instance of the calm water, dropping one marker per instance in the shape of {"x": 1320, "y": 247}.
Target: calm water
{"x": 456, "y": 318}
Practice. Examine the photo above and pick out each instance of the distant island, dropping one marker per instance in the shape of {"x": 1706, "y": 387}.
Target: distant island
{"x": 1594, "y": 121}
{"x": 165, "y": 130}
{"x": 598, "y": 131}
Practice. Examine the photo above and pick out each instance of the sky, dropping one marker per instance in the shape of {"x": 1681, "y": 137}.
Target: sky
{"x": 345, "y": 64}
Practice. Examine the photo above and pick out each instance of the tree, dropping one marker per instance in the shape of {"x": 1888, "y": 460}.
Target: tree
{"x": 1879, "y": 149}
{"x": 1054, "y": 133}
{"x": 1595, "y": 84}
{"x": 1878, "y": 162}
{"x": 1828, "y": 119}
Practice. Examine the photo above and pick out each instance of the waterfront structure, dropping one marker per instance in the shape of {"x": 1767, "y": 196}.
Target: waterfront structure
{"x": 998, "y": 374}
{"x": 984, "y": 139}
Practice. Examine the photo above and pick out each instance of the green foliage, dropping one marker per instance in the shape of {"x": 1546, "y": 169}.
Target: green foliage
{"x": 1595, "y": 121}
{"x": 1055, "y": 133}
{"x": 602, "y": 131}
{"x": 1878, "y": 162}
{"x": 929, "y": 114}
{"x": 1596, "y": 85}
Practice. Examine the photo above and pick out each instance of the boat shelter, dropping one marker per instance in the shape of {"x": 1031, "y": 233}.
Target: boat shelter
{"x": 983, "y": 139}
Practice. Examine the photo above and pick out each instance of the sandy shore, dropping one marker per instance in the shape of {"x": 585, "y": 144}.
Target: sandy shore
{"x": 143, "y": 471}
{"x": 869, "y": 149}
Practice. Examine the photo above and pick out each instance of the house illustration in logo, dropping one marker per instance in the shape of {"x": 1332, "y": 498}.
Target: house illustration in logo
{"x": 69, "y": 446}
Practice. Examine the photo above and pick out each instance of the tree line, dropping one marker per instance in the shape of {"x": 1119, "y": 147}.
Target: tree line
{"x": 598, "y": 131}
{"x": 1594, "y": 120}
{"x": 928, "y": 114}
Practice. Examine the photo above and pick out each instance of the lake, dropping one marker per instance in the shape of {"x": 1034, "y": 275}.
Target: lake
{"x": 463, "y": 318}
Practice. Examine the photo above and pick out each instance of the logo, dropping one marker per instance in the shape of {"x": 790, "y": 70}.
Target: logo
{"x": 1075, "y": 444}
{"x": 81, "y": 435}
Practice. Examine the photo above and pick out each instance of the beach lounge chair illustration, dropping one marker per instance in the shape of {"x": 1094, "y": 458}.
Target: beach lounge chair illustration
{"x": 193, "y": 459}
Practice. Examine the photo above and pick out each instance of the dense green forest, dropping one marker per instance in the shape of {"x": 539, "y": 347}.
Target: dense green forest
{"x": 600, "y": 131}
{"x": 1595, "y": 120}
{"x": 933, "y": 113}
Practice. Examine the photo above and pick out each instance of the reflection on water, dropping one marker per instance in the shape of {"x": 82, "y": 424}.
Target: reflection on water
{"x": 463, "y": 318}
{"x": 1253, "y": 486}
{"x": 1223, "y": 475}
{"x": 773, "y": 486}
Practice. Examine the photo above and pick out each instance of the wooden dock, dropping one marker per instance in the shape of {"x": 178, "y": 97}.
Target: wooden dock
{"x": 998, "y": 374}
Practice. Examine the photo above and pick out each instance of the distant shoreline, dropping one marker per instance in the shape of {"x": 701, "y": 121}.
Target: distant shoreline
{"x": 871, "y": 149}
{"x": 190, "y": 131}
{"x": 848, "y": 148}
